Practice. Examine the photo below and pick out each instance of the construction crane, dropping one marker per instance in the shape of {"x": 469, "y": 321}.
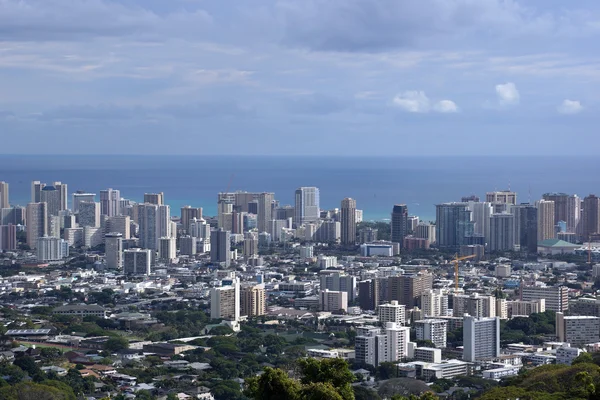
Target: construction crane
{"x": 455, "y": 261}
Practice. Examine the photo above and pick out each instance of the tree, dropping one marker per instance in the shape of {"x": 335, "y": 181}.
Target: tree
{"x": 583, "y": 358}
{"x": 386, "y": 370}
{"x": 35, "y": 391}
{"x": 362, "y": 393}
{"x": 273, "y": 384}
{"x": 333, "y": 371}
{"x": 221, "y": 330}
{"x": 116, "y": 344}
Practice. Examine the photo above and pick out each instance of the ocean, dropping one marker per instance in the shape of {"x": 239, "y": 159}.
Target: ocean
{"x": 377, "y": 183}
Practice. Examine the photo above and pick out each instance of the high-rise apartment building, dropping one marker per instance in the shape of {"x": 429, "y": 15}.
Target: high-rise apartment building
{"x": 481, "y": 338}
{"x": 434, "y": 303}
{"x": 504, "y": 197}
{"x": 137, "y": 261}
{"x": 220, "y": 245}
{"x": 51, "y": 196}
{"x": 336, "y": 280}
{"x": 502, "y": 232}
{"x": 399, "y": 225}
{"x": 114, "y": 250}
{"x": 591, "y": 216}
{"x": 307, "y": 209}
{"x": 368, "y": 294}
{"x": 348, "y": 222}
{"x": 188, "y": 213}
{"x": 51, "y": 249}
{"x": 407, "y": 289}
{"x": 188, "y": 246}
{"x": 253, "y": 300}
{"x": 453, "y": 225}
{"x": 63, "y": 195}
{"x": 434, "y": 330}
{"x": 265, "y": 211}
{"x": 110, "y": 202}
{"x": 36, "y": 191}
{"x": 556, "y": 297}
{"x": 475, "y": 305}
{"x": 155, "y": 198}
{"x": 392, "y": 312}
{"x": 374, "y": 346}
{"x": 225, "y": 302}
{"x": 81, "y": 197}
{"x": 480, "y": 216}
{"x": 545, "y": 219}
{"x": 425, "y": 230}
{"x": 526, "y": 227}
{"x": 567, "y": 208}
{"x": 167, "y": 249}
{"x": 333, "y": 300}
{"x": 37, "y": 223}
{"x": 525, "y": 308}
{"x": 8, "y": 237}
{"x": 154, "y": 222}
{"x": 121, "y": 224}
{"x": 4, "y": 195}
{"x": 13, "y": 215}
{"x": 577, "y": 330}
{"x": 89, "y": 214}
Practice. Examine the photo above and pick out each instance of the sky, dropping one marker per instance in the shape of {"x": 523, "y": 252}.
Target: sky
{"x": 299, "y": 77}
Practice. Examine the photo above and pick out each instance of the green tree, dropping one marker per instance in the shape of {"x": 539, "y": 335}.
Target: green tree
{"x": 116, "y": 344}
{"x": 386, "y": 370}
{"x": 583, "y": 358}
{"x": 35, "y": 391}
{"x": 273, "y": 384}
{"x": 333, "y": 371}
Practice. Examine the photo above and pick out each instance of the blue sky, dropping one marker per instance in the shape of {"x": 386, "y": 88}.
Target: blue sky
{"x": 321, "y": 77}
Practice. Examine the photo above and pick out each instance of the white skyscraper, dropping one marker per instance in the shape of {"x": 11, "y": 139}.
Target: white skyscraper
{"x": 480, "y": 215}
{"x": 434, "y": 303}
{"x": 121, "y": 224}
{"x": 225, "y": 302}
{"x": 114, "y": 250}
{"x": 307, "y": 205}
{"x": 433, "y": 330}
{"x": 36, "y": 191}
{"x": 265, "y": 211}
{"x": 110, "y": 202}
{"x": 154, "y": 223}
{"x": 37, "y": 223}
{"x": 502, "y": 232}
{"x": 137, "y": 261}
{"x": 481, "y": 338}
{"x": 374, "y": 346}
{"x": 545, "y": 220}
{"x": 51, "y": 249}
{"x": 51, "y": 196}
{"x": 167, "y": 249}
{"x": 63, "y": 195}
{"x": 392, "y": 312}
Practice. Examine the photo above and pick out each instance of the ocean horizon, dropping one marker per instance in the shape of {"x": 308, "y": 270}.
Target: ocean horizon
{"x": 377, "y": 183}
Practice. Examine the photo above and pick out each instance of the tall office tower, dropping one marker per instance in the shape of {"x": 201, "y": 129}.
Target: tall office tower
{"x": 137, "y": 261}
{"x": 154, "y": 198}
{"x": 556, "y": 297}
{"x": 265, "y": 211}
{"x": 36, "y": 191}
{"x": 480, "y": 215}
{"x": 114, "y": 250}
{"x": 504, "y": 196}
{"x": 89, "y": 214}
{"x": 188, "y": 246}
{"x": 577, "y": 330}
{"x": 453, "y": 225}
{"x": 63, "y": 195}
{"x": 4, "y": 195}
{"x": 80, "y": 197}
{"x": 573, "y": 214}
{"x": 51, "y": 196}
{"x": 307, "y": 206}
{"x": 337, "y": 280}
{"x": 250, "y": 244}
{"x": 348, "y": 222}
{"x": 121, "y": 224}
{"x": 591, "y": 216}
{"x": 526, "y": 226}
{"x": 434, "y": 303}
{"x": 110, "y": 202}
{"x": 433, "y": 330}
{"x": 502, "y": 232}
{"x": 481, "y": 338}
{"x": 220, "y": 242}
{"x": 253, "y": 300}
{"x": 467, "y": 199}
{"x": 392, "y": 312}
{"x": 167, "y": 249}
{"x": 407, "y": 289}
{"x": 51, "y": 249}
{"x": 425, "y": 230}
{"x": 188, "y": 213}
{"x": 225, "y": 302}
{"x": 368, "y": 294}
{"x": 37, "y": 223}
{"x": 545, "y": 220}
{"x": 399, "y": 224}
{"x": 8, "y": 237}
{"x": 148, "y": 226}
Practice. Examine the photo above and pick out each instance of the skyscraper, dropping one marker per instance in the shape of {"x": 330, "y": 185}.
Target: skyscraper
{"x": 368, "y": 294}
{"x": 63, "y": 195}
{"x": 453, "y": 225}
{"x": 348, "y": 222}
{"x": 147, "y": 216}
{"x": 4, "y": 195}
{"x": 114, "y": 250}
{"x": 121, "y": 224}
{"x": 407, "y": 289}
{"x": 307, "y": 206}
{"x": 36, "y": 191}
{"x": 502, "y": 232}
{"x": 265, "y": 211}
{"x": 225, "y": 302}
{"x": 167, "y": 249}
{"x": 480, "y": 215}
{"x": 591, "y": 216}
{"x": 481, "y": 338}
{"x": 51, "y": 196}
{"x": 567, "y": 208}
{"x": 526, "y": 226}
{"x": 155, "y": 198}
{"x": 110, "y": 202}
{"x": 37, "y": 223}
{"x": 504, "y": 196}
{"x": 399, "y": 224}
{"x": 545, "y": 220}
{"x": 253, "y": 300}
{"x": 79, "y": 197}
{"x": 188, "y": 213}
{"x": 89, "y": 214}
{"x": 137, "y": 261}
{"x": 8, "y": 237}
{"x": 220, "y": 242}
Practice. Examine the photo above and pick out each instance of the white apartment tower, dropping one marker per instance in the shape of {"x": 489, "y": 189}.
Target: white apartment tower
{"x": 392, "y": 312}
{"x": 434, "y": 330}
{"x": 307, "y": 206}
{"x": 114, "y": 250}
{"x": 110, "y": 202}
{"x": 225, "y": 302}
{"x": 481, "y": 338}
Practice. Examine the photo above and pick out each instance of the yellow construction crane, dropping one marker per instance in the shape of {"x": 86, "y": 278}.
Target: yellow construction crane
{"x": 455, "y": 261}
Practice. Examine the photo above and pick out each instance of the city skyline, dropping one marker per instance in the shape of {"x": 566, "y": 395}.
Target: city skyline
{"x": 298, "y": 79}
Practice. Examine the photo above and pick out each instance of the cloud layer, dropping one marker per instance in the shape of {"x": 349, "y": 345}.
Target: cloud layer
{"x": 415, "y": 101}
{"x": 570, "y": 107}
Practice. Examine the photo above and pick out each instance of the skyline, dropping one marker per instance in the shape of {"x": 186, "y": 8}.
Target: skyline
{"x": 354, "y": 77}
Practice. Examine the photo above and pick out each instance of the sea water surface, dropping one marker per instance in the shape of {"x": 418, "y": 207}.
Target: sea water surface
{"x": 377, "y": 183}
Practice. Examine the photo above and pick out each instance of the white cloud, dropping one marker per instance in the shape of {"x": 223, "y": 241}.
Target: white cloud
{"x": 445, "y": 106}
{"x": 416, "y": 101}
{"x": 507, "y": 94}
{"x": 570, "y": 107}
